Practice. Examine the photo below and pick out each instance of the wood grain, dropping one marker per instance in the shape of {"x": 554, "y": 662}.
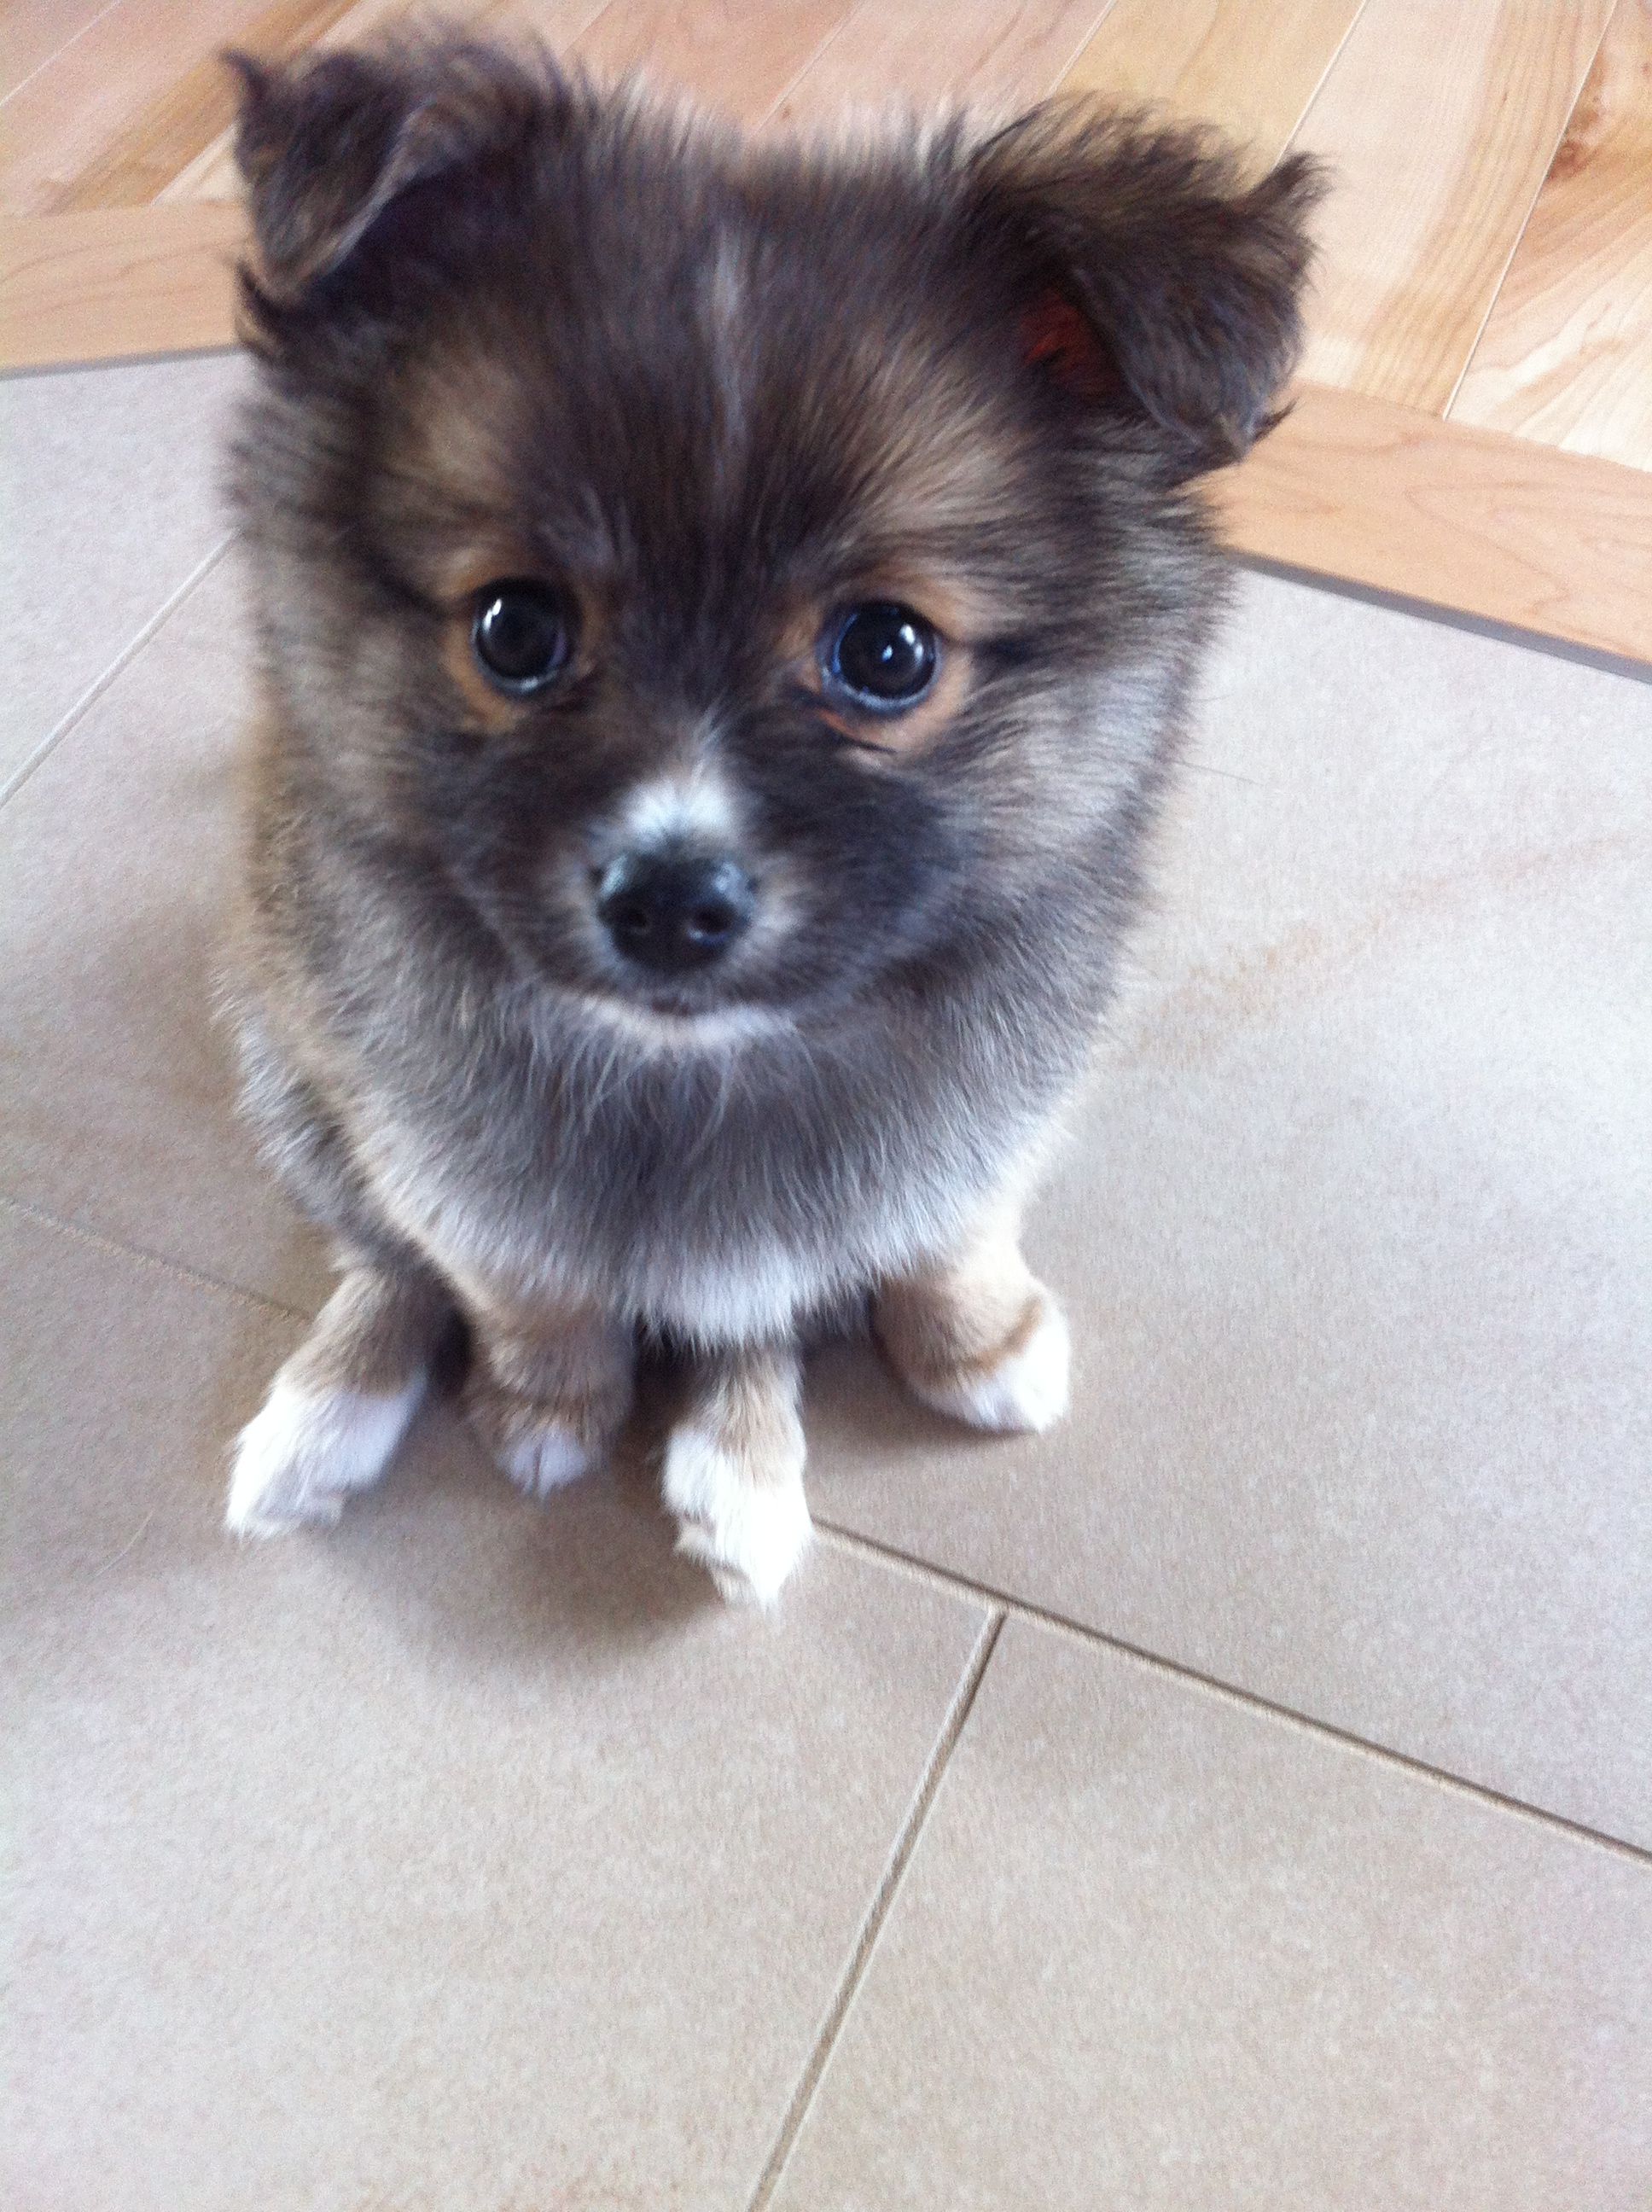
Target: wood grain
{"x": 116, "y": 282}
{"x": 1492, "y": 525}
{"x": 1251, "y": 70}
{"x": 983, "y": 50}
{"x": 742, "y": 58}
{"x": 1441, "y": 122}
{"x": 1567, "y": 353}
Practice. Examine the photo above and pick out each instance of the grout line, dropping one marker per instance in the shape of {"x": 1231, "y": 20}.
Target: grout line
{"x": 57, "y": 52}
{"x": 123, "y": 660}
{"x": 1083, "y": 48}
{"x": 1040, "y": 1616}
{"x": 877, "y": 1913}
{"x": 848, "y": 16}
{"x": 853, "y": 15}
{"x": 82, "y": 364}
{"x": 1320, "y": 82}
{"x": 1394, "y": 601}
{"x": 1526, "y": 220}
{"x": 197, "y": 1278}
{"x": 563, "y": 51}
{"x": 486, "y": 27}
{"x": 128, "y": 1547}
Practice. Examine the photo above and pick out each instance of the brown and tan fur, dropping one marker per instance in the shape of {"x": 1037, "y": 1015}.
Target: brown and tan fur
{"x": 711, "y": 401}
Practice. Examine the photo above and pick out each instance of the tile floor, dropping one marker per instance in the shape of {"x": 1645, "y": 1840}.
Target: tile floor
{"x": 1241, "y": 1798}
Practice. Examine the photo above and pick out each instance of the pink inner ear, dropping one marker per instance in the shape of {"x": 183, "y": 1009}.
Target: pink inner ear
{"x": 1053, "y": 330}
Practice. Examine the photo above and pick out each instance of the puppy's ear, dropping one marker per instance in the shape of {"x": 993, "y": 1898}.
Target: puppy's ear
{"x": 1158, "y": 284}
{"x": 326, "y": 146}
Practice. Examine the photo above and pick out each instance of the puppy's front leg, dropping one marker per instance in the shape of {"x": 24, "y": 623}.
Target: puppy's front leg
{"x": 549, "y": 1390}
{"x": 338, "y": 1408}
{"x": 733, "y": 1471}
{"x": 976, "y": 1335}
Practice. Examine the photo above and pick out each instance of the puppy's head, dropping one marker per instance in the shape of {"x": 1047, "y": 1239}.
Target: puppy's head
{"x": 730, "y": 575}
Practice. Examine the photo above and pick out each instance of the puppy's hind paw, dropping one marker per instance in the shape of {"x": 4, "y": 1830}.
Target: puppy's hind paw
{"x": 749, "y": 1534}
{"x": 542, "y": 1443}
{"x": 300, "y": 1455}
{"x": 544, "y": 1459}
{"x": 1021, "y": 1389}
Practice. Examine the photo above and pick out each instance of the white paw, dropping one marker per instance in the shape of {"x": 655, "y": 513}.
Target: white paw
{"x": 298, "y": 1457}
{"x": 748, "y": 1532}
{"x": 1026, "y": 1391}
{"x": 543, "y": 1460}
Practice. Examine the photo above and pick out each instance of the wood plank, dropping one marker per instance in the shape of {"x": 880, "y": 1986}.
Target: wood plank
{"x": 33, "y": 31}
{"x": 87, "y": 114}
{"x": 1252, "y": 67}
{"x": 116, "y": 282}
{"x": 1358, "y": 488}
{"x": 913, "y": 51}
{"x": 140, "y": 108}
{"x": 555, "y": 23}
{"x": 1348, "y": 487}
{"x": 189, "y": 113}
{"x": 1567, "y": 354}
{"x": 739, "y": 58}
{"x": 1441, "y": 122}
{"x": 212, "y": 175}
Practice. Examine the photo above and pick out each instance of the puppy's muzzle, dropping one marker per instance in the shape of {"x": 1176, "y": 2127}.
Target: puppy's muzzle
{"x": 674, "y": 912}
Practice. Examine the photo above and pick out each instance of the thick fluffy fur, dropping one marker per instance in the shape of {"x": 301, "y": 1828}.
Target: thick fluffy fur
{"x": 511, "y": 325}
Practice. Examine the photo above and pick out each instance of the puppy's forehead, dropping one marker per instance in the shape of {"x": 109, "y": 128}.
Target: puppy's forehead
{"x": 788, "y": 388}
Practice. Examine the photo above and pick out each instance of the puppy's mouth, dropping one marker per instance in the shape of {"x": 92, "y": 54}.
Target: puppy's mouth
{"x": 681, "y": 1006}
{"x": 723, "y": 994}
{"x": 674, "y": 1022}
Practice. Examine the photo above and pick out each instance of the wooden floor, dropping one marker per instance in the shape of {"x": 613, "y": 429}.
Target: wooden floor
{"x": 1475, "y": 426}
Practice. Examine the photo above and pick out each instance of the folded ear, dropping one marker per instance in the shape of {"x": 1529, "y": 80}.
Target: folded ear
{"x": 325, "y": 146}
{"x": 1158, "y": 283}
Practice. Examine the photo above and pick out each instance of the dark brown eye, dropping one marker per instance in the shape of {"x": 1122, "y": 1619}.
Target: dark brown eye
{"x": 522, "y": 634}
{"x": 881, "y": 657}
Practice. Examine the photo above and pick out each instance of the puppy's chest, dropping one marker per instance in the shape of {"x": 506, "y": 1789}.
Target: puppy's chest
{"x": 710, "y": 1201}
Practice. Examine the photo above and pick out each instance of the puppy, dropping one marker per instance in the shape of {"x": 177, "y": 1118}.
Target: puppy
{"x": 726, "y": 610}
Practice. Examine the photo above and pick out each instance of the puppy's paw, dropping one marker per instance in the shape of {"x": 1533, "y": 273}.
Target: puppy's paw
{"x": 542, "y": 1444}
{"x": 298, "y": 1459}
{"x": 542, "y": 1459}
{"x": 1020, "y": 1389}
{"x": 747, "y": 1528}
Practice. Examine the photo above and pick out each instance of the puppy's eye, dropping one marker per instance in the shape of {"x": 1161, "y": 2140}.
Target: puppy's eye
{"x": 880, "y": 657}
{"x": 522, "y": 634}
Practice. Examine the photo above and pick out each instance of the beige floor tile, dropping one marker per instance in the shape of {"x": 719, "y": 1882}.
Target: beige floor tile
{"x": 1353, "y": 1230}
{"x": 1156, "y": 1950}
{"x": 471, "y": 1855}
{"x": 109, "y": 499}
{"x": 118, "y": 860}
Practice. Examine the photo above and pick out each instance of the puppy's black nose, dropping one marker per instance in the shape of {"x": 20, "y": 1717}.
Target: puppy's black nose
{"x": 670, "y": 913}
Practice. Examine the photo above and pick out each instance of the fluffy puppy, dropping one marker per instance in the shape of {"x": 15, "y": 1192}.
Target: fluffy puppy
{"x": 726, "y": 610}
